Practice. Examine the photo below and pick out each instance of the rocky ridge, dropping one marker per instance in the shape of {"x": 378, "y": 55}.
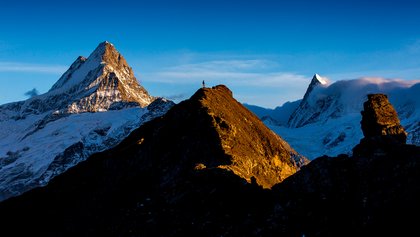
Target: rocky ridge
{"x": 201, "y": 159}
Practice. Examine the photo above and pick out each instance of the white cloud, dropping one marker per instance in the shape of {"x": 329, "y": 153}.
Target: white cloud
{"x": 401, "y": 74}
{"x": 260, "y": 73}
{"x": 229, "y": 65}
{"x": 380, "y": 81}
{"x": 254, "y": 81}
{"x": 35, "y": 68}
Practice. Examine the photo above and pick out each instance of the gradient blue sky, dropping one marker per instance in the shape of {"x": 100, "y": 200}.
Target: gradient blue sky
{"x": 265, "y": 51}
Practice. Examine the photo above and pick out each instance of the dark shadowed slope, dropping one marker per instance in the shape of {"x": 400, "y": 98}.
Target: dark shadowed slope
{"x": 172, "y": 177}
{"x": 373, "y": 193}
{"x": 183, "y": 173}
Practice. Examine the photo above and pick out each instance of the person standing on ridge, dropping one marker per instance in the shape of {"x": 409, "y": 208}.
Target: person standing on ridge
{"x": 204, "y": 84}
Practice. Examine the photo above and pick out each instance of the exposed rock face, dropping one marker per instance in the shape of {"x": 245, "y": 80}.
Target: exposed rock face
{"x": 255, "y": 150}
{"x": 379, "y": 118}
{"x": 381, "y": 127}
{"x": 99, "y": 81}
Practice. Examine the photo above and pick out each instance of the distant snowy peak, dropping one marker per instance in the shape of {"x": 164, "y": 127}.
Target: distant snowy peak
{"x": 321, "y": 80}
{"x": 304, "y": 113}
{"x": 317, "y": 80}
{"x": 100, "y": 82}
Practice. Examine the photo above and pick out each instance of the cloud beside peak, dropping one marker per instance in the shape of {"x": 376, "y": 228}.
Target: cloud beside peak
{"x": 34, "y": 68}
{"x": 260, "y": 73}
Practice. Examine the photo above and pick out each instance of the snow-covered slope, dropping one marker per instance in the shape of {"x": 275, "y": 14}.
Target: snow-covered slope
{"x": 92, "y": 107}
{"x": 327, "y": 120}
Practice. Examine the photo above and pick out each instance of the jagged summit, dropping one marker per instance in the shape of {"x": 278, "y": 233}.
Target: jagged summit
{"x": 304, "y": 112}
{"x": 106, "y": 43}
{"x": 102, "y": 54}
{"x": 106, "y": 52}
{"x": 316, "y": 80}
{"x": 321, "y": 80}
{"x": 100, "y": 82}
{"x": 45, "y": 135}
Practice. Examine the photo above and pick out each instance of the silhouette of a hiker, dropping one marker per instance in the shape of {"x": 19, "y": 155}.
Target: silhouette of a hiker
{"x": 204, "y": 84}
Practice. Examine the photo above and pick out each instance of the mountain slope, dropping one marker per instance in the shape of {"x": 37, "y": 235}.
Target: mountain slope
{"x": 372, "y": 193}
{"x": 278, "y": 116}
{"x": 189, "y": 166}
{"x": 46, "y": 134}
{"x": 141, "y": 188}
{"x": 331, "y": 113}
{"x": 305, "y": 112}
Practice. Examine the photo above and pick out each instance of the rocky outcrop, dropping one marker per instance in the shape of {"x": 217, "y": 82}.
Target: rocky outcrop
{"x": 381, "y": 127}
{"x": 374, "y": 192}
{"x": 379, "y": 118}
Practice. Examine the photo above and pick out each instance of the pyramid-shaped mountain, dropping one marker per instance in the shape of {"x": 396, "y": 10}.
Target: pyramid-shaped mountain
{"x": 306, "y": 112}
{"x": 207, "y": 152}
{"x": 100, "y": 82}
{"x": 43, "y": 136}
{"x": 213, "y": 130}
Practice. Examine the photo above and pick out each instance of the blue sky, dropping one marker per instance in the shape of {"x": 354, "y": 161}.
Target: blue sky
{"x": 265, "y": 51}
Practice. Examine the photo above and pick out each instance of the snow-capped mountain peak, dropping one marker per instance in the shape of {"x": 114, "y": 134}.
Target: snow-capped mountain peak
{"x": 321, "y": 80}
{"x": 106, "y": 53}
{"x": 316, "y": 81}
{"x": 46, "y": 134}
{"x": 100, "y": 82}
{"x": 327, "y": 120}
{"x": 301, "y": 115}
{"x": 82, "y": 66}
